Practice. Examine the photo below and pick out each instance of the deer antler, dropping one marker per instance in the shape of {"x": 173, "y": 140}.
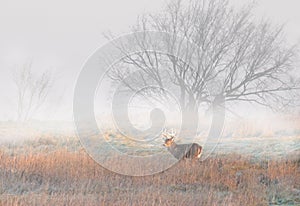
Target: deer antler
{"x": 165, "y": 133}
{"x": 169, "y": 135}
{"x": 172, "y": 133}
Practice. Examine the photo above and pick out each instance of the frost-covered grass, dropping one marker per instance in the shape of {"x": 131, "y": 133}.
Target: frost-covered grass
{"x": 71, "y": 177}
{"x": 52, "y": 168}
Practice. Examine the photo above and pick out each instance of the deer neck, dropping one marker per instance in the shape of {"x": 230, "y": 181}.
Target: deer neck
{"x": 173, "y": 145}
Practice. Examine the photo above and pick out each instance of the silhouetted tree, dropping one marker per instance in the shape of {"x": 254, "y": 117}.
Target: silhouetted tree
{"x": 237, "y": 56}
{"x": 32, "y": 89}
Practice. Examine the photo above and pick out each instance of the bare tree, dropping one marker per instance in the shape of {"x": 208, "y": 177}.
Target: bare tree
{"x": 239, "y": 57}
{"x": 32, "y": 89}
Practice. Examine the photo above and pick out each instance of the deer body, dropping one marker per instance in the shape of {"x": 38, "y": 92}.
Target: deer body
{"x": 179, "y": 151}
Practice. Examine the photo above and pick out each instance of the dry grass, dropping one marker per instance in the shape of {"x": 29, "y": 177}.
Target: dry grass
{"x": 64, "y": 177}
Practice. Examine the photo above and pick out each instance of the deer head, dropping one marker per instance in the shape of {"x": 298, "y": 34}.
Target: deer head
{"x": 169, "y": 137}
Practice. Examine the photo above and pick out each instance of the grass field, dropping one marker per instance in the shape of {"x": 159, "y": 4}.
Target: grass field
{"x": 60, "y": 176}
{"x": 54, "y": 169}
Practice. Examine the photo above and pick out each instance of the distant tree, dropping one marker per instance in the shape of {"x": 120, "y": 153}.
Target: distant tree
{"x": 240, "y": 58}
{"x": 32, "y": 90}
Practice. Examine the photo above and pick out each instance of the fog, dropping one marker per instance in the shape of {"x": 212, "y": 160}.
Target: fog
{"x": 60, "y": 36}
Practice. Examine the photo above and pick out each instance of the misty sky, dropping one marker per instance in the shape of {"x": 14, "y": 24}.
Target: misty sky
{"x": 60, "y": 35}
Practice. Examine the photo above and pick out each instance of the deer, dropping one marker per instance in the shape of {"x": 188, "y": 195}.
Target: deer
{"x": 181, "y": 151}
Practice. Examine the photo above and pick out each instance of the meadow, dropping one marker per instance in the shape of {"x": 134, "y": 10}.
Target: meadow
{"x": 58, "y": 171}
{"x": 54, "y": 169}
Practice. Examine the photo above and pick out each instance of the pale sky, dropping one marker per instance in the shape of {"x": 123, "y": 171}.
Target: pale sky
{"x": 60, "y": 35}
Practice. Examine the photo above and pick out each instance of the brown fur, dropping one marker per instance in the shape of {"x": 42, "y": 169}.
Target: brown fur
{"x": 182, "y": 151}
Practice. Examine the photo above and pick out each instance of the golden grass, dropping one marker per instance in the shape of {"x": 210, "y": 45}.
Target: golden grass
{"x": 73, "y": 178}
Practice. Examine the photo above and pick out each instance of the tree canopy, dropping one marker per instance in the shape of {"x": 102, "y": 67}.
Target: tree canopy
{"x": 237, "y": 56}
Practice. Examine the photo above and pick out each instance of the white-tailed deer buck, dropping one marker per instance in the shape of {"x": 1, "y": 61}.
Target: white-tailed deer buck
{"x": 181, "y": 151}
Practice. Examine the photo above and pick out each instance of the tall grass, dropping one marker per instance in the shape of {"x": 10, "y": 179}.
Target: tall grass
{"x": 64, "y": 177}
